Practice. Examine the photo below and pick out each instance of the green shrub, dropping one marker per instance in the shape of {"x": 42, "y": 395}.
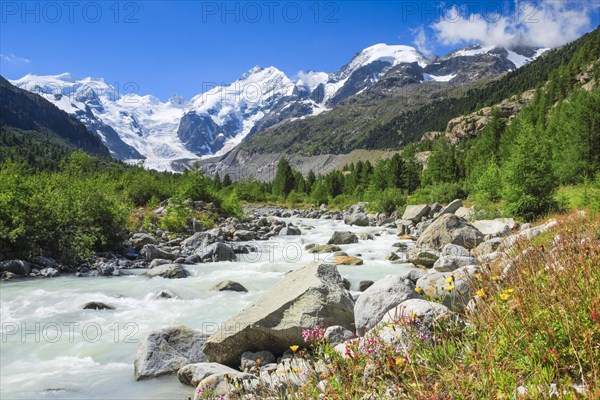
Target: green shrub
{"x": 176, "y": 217}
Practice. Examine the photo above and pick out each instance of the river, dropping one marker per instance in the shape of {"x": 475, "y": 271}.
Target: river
{"x": 53, "y": 349}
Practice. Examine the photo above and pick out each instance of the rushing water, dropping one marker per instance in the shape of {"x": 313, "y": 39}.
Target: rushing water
{"x": 53, "y": 349}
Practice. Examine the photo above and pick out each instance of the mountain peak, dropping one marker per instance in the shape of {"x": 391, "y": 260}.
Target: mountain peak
{"x": 394, "y": 54}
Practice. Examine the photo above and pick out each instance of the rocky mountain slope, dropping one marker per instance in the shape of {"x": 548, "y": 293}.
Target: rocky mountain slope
{"x": 22, "y": 111}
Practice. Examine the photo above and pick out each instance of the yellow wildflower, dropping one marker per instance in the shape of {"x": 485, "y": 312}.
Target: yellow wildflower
{"x": 504, "y": 296}
{"x": 449, "y": 287}
{"x": 480, "y": 293}
{"x": 413, "y": 315}
{"x": 450, "y": 279}
{"x": 294, "y": 348}
{"x": 258, "y": 361}
{"x": 399, "y": 361}
{"x": 418, "y": 289}
{"x": 478, "y": 276}
{"x": 495, "y": 278}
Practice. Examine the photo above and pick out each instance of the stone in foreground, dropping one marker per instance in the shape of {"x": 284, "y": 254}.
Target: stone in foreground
{"x": 167, "y": 350}
{"x": 378, "y": 299}
{"x": 311, "y": 296}
{"x": 193, "y": 374}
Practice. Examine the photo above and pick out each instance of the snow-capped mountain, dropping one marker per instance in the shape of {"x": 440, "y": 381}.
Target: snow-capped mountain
{"x": 476, "y": 62}
{"x": 130, "y": 125}
{"x": 142, "y": 127}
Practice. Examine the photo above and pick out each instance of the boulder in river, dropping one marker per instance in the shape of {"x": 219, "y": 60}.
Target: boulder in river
{"x": 17, "y": 267}
{"x": 231, "y": 286}
{"x": 290, "y": 231}
{"x": 323, "y": 248}
{"x": 347, "y": 260}
{"x": 167, "y": 350}
{"x": 217, "y": 251}
{"x": 169, "y": 271}
{"x": 97, "y": 305}
{"x": 305, "y": 298}
{"x": 343, "y": 237}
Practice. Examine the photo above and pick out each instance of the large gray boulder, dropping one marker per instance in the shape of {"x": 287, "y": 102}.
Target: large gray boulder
{"x": 169, "y": 271}
{"x": 416, "y": 212}
{"x": 230, "y": 286}
{"x": 455, "y": 294}
{"x": 358, "y": 219}
{"x": 193, "y": 374}
{"x": 140, "y": 239}
{"x": 217, "y": 252}
{"x": 426, "y": 313}
{"x": 453, "y": 257}
{"x": 378, "y": 299}
{"x": 228, "y": 384}
{"x": 151, "y": 251}
{"x": 452, "y": 207}
{"x": 343, "y": 237}
{"x": 197, "y": 239}
{"x": 308, "y": 297}
{"x": 449, "y": 228}
{"x": 17, "y": 267}
{"x": 493, "y": 228}
{"x": 422, "y": 256}
{"x": 290, "y": 231}
{"x": 167, "y": 350}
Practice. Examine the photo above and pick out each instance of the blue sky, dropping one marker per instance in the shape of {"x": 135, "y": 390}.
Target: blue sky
{"x": 168, "y": 47}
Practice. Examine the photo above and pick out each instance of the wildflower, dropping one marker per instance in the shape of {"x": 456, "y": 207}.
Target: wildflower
{"x": 450, "y": 279}
{"x": 418, "y": 289}
{"x": 258, "y": 361}
{"x": 495, "y": 277}
{"x": 504, "y": 295}
{"x": 480, "y": 293}
{"x": 399, "y": 361}
{"x": 294, "y": 348}
{"x": 449, "y": 288}
{"x": 478, "y": 276}
{"x": 413, "y": 315}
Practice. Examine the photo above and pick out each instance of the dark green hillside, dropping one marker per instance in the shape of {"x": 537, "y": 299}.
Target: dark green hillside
{"x": 22, "y": 111}
{"x": 392, "y": 123}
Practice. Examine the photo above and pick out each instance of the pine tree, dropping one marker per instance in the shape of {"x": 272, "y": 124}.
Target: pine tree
{"x": 528, "y": 182}
{"x": 283, "y": 183}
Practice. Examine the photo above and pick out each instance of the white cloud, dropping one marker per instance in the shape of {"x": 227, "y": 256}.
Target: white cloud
{"x": 421, "y": 41}
{"x": 312, "y": 79}
{"x": 11, "y": 58}
{"x": 545, "y": 24}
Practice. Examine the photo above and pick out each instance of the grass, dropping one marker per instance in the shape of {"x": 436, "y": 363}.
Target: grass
{"x": 537, "y": 328}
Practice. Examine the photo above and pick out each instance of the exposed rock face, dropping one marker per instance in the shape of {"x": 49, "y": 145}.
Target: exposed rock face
{"x": 139, "y": 240}
{"x": 425, "y": 312}
{"x": 167, "y": 350}
{"x": 471, "y": 125}
{"x": 383, "y": 295}
{"x": 309, "y": 297}
{"x": 453, "y": 257}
